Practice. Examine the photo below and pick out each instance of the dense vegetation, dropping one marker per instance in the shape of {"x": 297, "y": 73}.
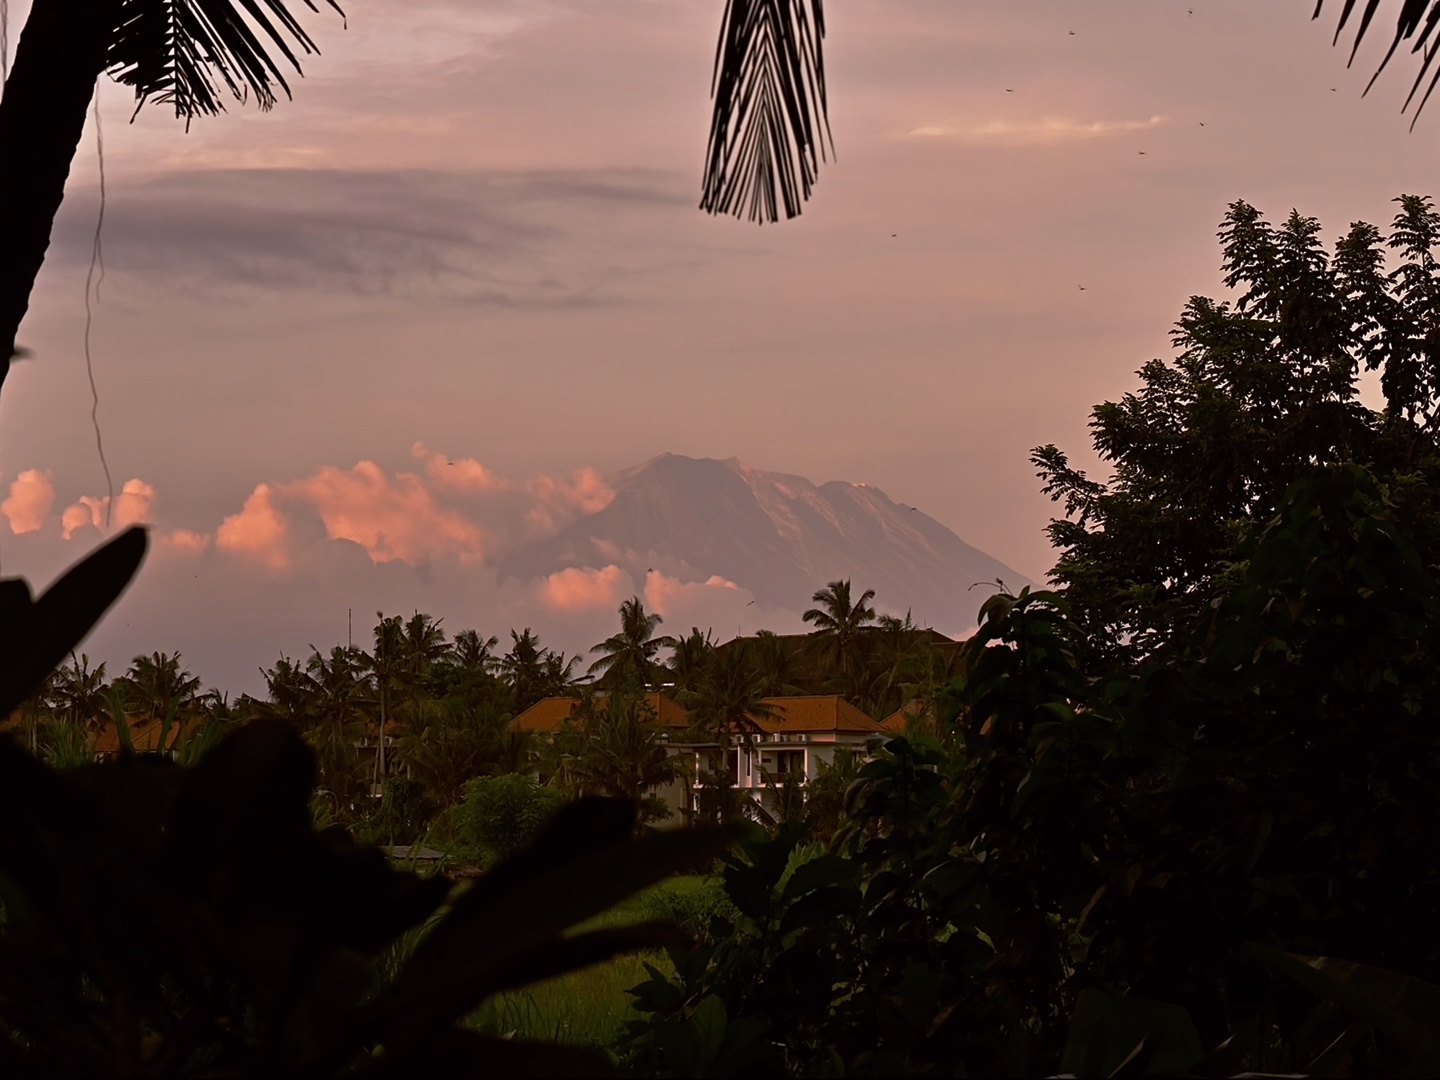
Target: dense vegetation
{"x": 447, "y": 705}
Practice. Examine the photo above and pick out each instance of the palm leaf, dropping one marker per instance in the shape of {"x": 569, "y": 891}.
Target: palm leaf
{"x": 1420, "y": 16}
{"x": 769, "y": 124}
{"x": 186, "y": 53}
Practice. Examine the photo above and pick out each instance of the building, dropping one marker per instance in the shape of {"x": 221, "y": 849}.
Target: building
{"x": 800, "y": 737}
{"x": 548, "y": 715}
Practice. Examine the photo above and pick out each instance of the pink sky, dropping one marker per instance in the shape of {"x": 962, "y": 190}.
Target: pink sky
{"x": 474, "y": 230}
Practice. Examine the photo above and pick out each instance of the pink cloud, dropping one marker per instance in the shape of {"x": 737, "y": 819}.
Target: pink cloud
{"x": 582, "y": 589}
{"x": 186, "y": 541}
{"x": 258, "y": 530}
{"x": 584, "y": 492}
{"x": 31, "y": 497}
{"x": 390, "y": 518}
{"x": 133, "y": 506}
{"x": 459, "y": 474}
{"x": 75, "y": 517}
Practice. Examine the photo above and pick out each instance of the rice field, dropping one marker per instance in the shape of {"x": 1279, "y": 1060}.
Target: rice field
{"x": 589, "y": 1007}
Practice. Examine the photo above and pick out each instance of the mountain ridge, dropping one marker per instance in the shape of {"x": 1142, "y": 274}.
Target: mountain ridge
{"x": 777, "y": 535}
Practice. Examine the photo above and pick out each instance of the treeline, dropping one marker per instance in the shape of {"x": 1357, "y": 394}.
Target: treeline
{"x": 447, "y": 703}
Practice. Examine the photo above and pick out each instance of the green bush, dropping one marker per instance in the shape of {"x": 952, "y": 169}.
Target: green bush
{"x": 690, "y": 902}
{"x": 501, "y": 814}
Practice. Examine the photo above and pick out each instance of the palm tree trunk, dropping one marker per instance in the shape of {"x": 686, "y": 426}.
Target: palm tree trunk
{"x": 380, "y": 777}
{"x": 60, "y": 54}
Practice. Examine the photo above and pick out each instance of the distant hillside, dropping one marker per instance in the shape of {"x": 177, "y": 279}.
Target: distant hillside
{"x": 778, "y": 536}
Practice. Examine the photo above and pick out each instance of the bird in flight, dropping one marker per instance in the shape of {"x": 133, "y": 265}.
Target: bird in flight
{"x": 1140, "y": 152}
{"x": 1080, "y": 287}
{"x": 1072, "y": 33}
{"x": 751, "y": 604}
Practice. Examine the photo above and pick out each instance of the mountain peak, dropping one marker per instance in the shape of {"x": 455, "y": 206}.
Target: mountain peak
{"x": 777, "y": 535}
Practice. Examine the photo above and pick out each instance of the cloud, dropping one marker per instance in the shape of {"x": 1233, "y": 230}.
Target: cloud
{"x": 391, "y": 518}
{"x": 666, "y": 595}
{"x": 579, "y": 589}
{"x": 258, "y": 530}
{"x": 133, "y": 506}
{"x": 484, "y": 238}
{"x": 185, "y": 541}
{"x": 31, "y": 496}
{"x": 1044, "y": 131}
{"x": 583, "y": 492}
{"x": 74, "y": 518}
{"x": 452, "y": 508}
{"x": 461, "y": 474}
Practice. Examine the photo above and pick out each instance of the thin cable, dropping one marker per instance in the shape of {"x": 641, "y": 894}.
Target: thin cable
{"x": 97, "y": 259}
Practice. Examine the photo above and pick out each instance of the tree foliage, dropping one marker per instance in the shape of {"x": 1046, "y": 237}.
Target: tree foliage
{"x": 1263, "y": 391}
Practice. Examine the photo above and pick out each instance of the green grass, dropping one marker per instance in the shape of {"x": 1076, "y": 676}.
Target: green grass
{"x": 588, "y": 1007}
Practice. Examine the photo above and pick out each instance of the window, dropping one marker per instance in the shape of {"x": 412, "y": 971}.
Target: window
{"x": 790, "y": 761}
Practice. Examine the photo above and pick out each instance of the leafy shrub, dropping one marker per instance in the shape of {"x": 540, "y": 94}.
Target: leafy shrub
{"x": 501, "y": 814}
{"x": 693, "y": 903}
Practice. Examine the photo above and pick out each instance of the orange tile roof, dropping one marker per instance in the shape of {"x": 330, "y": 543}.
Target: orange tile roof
{"x": 144, "y": 736}
{"x": 828, "y": 712}
{"x": 901, "y": 719}
{"x": 550, "y": 713}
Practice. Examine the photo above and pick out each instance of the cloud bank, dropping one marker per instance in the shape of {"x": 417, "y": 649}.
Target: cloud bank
{"x": 1043, "y": 131}
{"x": 365, "y": 537}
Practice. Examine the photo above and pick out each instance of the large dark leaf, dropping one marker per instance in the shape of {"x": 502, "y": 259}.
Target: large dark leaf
{"x": 1403, "y": 1008}
{"x": 1416, "y": 19}
{"x": 769, "y": 125}
{"x": 186, "y": 52}
{"x": 36, "y": 636}
{"x": 506, "y": 930}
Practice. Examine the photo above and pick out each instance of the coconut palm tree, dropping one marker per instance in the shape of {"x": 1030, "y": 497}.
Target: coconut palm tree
{"x": 289, "y": 694}
{"x": 423, "y": 645}
{"x": 159, "y": 687}
{"x": 533, "y": 671}
{"x": 472, "y": 653}
{"x": 77, "y": 694}
{"x": 775, "y": 661}
{"x": 184, "y": 54}
{"x": 629, "y": 656}
{"x": 693, "y": 654}
{"x": 387, "y": 664}
{"x": 611, "y": 749}
{"x": 729, "y": 703}
{"x": 339, "y": 700}
{"x": 839, "y": 625}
